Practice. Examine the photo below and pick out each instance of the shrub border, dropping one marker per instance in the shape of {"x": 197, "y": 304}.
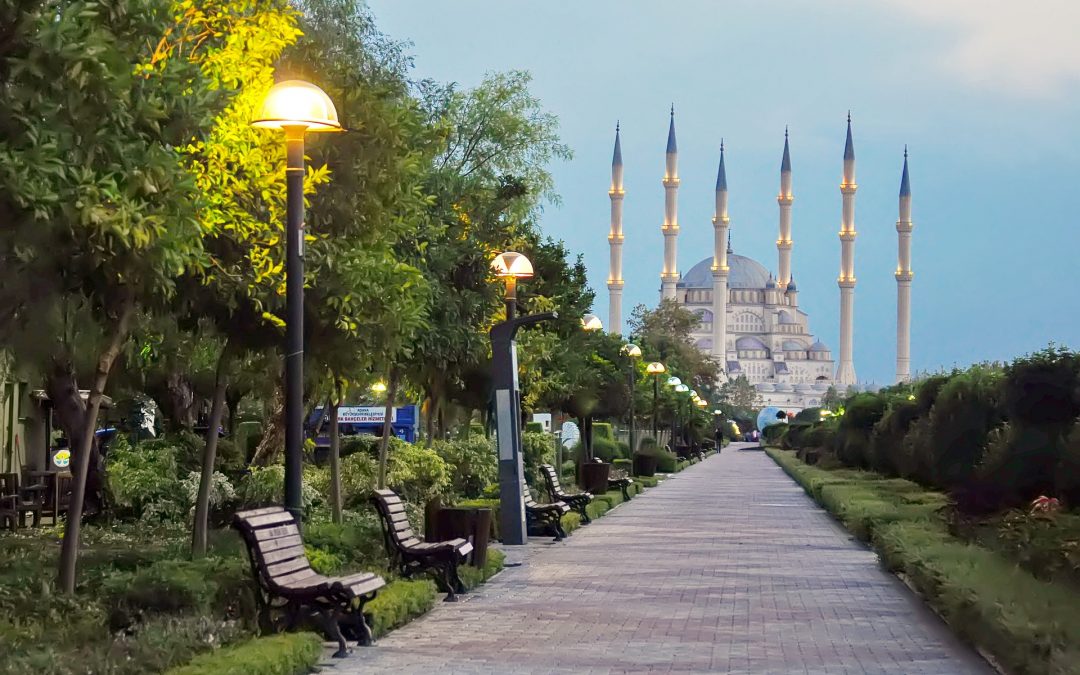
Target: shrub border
{"x": 283, "y": 654}
{"x": 1020, "y": 626}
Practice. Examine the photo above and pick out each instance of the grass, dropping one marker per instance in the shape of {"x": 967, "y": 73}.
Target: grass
{"x": 1028, "y": 625}
{"x": 286, "y": 654}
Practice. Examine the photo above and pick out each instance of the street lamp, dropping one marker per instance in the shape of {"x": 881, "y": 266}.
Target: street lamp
{"x": 680, "y": 388}
{"x": 378, "y": 387}
{"x": 591, "y": 322}
{"x": 511, "y": 266}
{"x": 634, "y": 352}
{"x": 656, "y": 369}
{"x": 295, "y": 107}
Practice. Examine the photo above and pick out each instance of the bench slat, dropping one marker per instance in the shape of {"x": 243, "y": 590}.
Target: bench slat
{"x": 398, "y": 517}
{"x": 283, "y": 554}
{"x": 276, "y": 532}
{"x": 251, "y": 513}
{"x": 302, "y": 579}
{"x": 288, "y": 567}
{"x": 276, "y": 544}
{"x": 269, "y": 519}
{"x": 395, "y": 508}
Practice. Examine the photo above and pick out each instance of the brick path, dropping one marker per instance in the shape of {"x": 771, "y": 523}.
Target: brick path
{"x": 726, "y": 567}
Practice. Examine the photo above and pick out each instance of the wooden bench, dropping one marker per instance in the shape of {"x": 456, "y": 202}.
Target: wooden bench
{"x": 17, "y": 502}
{"x": 285, "y": 582}
{"x": 543, "y": 518}
{"x": 622, "y": 484}
{"x": 410, "y": 555}
{"x": 578, "y": 502}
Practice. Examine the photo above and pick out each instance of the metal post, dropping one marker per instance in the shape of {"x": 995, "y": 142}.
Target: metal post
{"x": 633, "y": 447}
{"x": 655, "y": 393}
{"x": 511, "y": 298}
{"x": 294, "y": 326}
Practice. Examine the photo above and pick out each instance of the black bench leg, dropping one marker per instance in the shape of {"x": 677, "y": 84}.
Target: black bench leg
{"x": 455, "y": 578}
{"x": 560, "y": 533}
{"x": 625, "y": 492}
{"x": 446, "y": 581}
{"x": 333, "y": 631}
{"x": 584, "y": 513}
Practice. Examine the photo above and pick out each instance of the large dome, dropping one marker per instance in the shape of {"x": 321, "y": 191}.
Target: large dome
{"x": 744, "y": 273}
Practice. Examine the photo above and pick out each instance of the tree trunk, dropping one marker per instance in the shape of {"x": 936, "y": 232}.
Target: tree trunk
{"x": 273, "y": 440}
{"x": 202, "y": 500}
{"x": 181, "y": 400}
{"x": 232, "y": 403}
{"x": 69, "y": 551}
{"x": 335, "y": 459}
{"x": 388, "y": 428}
{"x": 69, "y": 410}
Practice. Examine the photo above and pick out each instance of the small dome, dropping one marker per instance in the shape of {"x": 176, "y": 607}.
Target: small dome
{"x": 793, "y": 346}
{"x": 748, "y": 343}
{"x": 771, "y": 283}
{"x": 819, "y": 346}
{"x": 786, "y": 318}
{"x": 791, "y": 287}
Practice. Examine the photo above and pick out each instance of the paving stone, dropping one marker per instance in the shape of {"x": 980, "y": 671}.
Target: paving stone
{"x": 727, "y": 567}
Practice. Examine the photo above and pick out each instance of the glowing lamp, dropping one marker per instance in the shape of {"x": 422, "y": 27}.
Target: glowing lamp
{"x": 631, "y": 350}
{"x": 512, "y": 265}
{"x": 681, "y": 388}
{"x": 297, "y": 104}
{"x": 674, "y": 381}
{"x": 655, "y": 368}
{"x": 702, "y": 403}
{"x": 591, "y": 322}
{"x": 378, "y": 387}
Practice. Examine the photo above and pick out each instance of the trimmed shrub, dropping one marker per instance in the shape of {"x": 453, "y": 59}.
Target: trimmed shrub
{"x": 534, "y": 427}
{"x": 472, "y": 462}
{"x": 284, "y": 654}
{"x": 399, "y": 602}
{"x": 603, "y": 430}
{"x": 416, "y": 473}
{"x": 966, "y": 410}
{"x": 536, "y": 449}
{"x": 474, "y": 576}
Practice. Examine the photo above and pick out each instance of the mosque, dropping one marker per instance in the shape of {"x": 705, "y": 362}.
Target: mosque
{"x": 750, "y": 320}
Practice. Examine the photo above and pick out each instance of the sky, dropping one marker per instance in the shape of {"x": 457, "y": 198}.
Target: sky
{"x": 985, "y": 93}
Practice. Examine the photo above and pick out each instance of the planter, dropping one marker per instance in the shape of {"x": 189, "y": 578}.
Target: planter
{"x": 472, "y": 524}
{"x": 644, "y": 465}
{"x": 594, "y": 477}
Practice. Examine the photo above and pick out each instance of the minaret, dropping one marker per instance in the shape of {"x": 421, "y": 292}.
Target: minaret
{"x": 615, "y": 240}
{"x": 784, "y": 199}
{"x": 903, "y": 280}
{"x": 845, "y": 372}
{"x": 721, "y": 222}
{"x": 670, "y": 228}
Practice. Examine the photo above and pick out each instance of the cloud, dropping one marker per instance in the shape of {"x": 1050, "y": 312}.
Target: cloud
{"x": 1025, "y": 48}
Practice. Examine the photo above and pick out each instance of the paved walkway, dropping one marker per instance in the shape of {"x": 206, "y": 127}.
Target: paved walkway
{"x": 726, "y": 567}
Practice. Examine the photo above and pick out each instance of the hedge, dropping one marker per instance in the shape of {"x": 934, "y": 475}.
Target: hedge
{"x": 284, "y": 654}
{"x": 1027, "y": 625}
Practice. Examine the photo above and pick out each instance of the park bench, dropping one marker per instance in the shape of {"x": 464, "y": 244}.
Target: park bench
{"x": 543, "y": 518}
{"x": 622, "y": 484}
{"x": 410, "y": 555}
{"x": 285, "y": 582}
{"x": 578, "y": 501}
{"x": 17, "y": 502}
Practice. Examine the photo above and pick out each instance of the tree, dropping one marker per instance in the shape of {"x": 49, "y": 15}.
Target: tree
{"x": 740, "y": 395}
{"x": 99, "y": 212}
{"x": 664, "y": 335}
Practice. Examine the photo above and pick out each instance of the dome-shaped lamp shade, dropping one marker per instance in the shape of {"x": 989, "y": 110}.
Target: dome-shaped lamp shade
{"x": 512, "y": 264}
{"x": 631, "y": 350}
{"x": 674, "y": 381}
{"x": 682, "y": 388}
{"x": 295, "y": 103}
{"x": 591, "y": 322}
{"x": 655, "y": 368}
{"x": 702, "y": 403}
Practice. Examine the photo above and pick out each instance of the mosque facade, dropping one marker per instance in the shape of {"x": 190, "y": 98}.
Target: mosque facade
{"x": 750, "y": 319}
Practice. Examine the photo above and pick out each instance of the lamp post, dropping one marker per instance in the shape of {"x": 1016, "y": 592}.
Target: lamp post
{"x": 590, "y": 323}
{"x": 634, "y": 352}
{"x": 510, "y": 267}
{"x": 295, "y": 107}
{"x": 656, "y": 369}
{"x": 680, "y": 388}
